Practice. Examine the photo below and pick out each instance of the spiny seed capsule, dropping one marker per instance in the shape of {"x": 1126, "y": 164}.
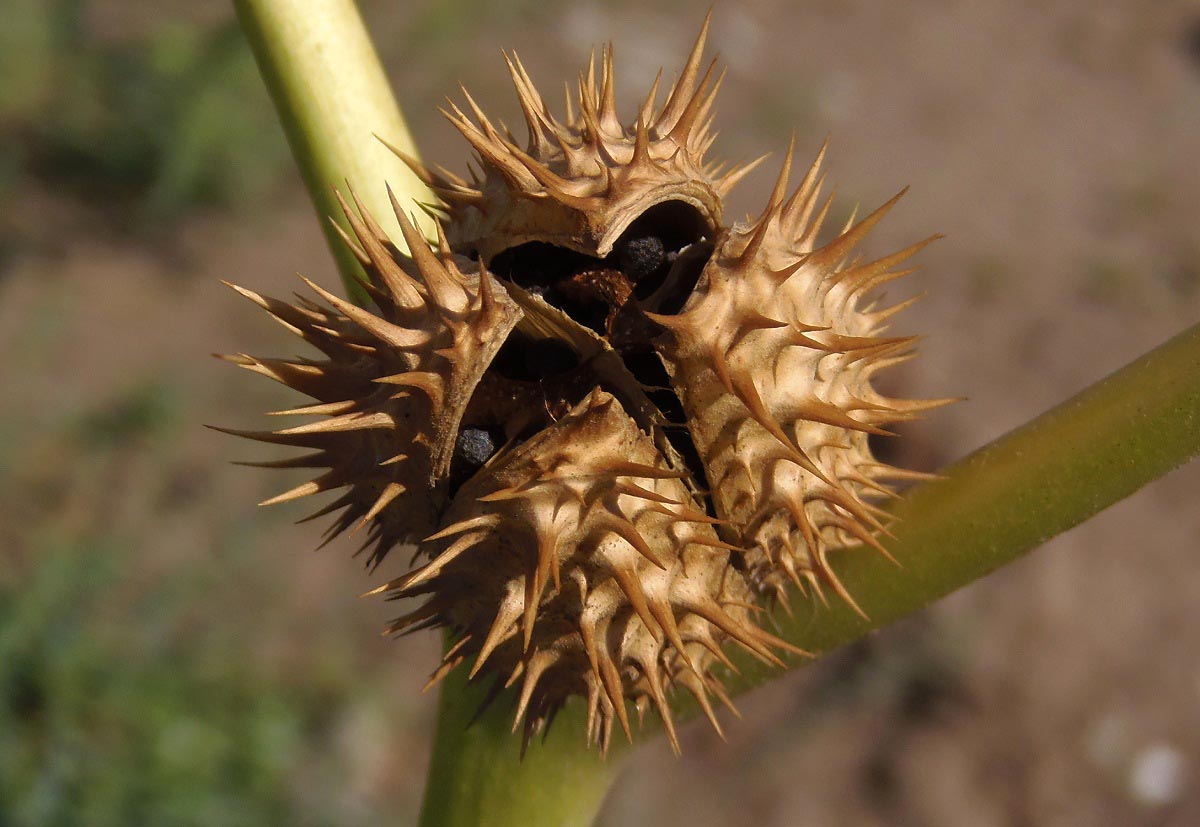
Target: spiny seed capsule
{"x": 612, "y": 424}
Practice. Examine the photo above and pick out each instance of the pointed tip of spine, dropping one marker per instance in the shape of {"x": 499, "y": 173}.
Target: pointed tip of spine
{"x": 735, "y": 176}
{"x": 685, "y": 85}
{"x": 785, "y": 170}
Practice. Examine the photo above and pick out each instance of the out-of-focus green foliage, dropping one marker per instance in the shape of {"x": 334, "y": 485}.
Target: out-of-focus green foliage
{"x": 167, "y": 118}
{"x": 142, "y": 684}
{"x": 107, "y": 724}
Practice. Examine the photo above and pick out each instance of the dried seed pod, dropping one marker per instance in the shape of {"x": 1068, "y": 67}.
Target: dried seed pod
{"x": 611, "y": 424}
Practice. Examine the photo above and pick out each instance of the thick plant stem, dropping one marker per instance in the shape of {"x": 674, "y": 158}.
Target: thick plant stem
{"x": 476, "y": 776}
{"x": 988, "y": 509}
{"x": 333, "y": 99}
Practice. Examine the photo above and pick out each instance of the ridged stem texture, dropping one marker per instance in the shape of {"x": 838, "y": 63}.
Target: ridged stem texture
{"x": 988, "y": 509}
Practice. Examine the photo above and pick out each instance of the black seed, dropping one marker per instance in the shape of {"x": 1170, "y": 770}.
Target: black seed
{"x": 641, "y": 257}
{"x": 472, "y": 449}
{"x": 474, "y": 446}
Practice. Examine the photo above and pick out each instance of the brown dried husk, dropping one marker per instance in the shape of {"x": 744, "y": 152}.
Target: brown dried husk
{"x": 587, "y": 557}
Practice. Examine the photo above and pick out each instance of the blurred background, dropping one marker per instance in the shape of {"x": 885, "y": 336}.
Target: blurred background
{"x": 170, "y": 655}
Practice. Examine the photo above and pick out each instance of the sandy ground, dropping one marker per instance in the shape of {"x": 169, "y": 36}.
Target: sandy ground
{"x": 1054, "y": 143}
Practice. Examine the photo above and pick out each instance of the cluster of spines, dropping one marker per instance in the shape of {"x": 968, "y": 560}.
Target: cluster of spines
{"x": 590, "y": 163}
{"x": 605, "y": 578}
{"x": 786, "y": 448}
{"x": 393, "y": 386}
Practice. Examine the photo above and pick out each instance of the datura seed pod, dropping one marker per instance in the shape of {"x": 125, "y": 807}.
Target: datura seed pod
{"x": 612, "y": 426}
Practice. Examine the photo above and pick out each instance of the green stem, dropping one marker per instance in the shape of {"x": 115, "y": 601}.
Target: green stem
{"x": 476, "y": 775}
{"x": 333, "y": 98}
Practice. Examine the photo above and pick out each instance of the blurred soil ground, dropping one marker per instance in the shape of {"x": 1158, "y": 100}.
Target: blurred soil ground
{"x": 171, "y": 655}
